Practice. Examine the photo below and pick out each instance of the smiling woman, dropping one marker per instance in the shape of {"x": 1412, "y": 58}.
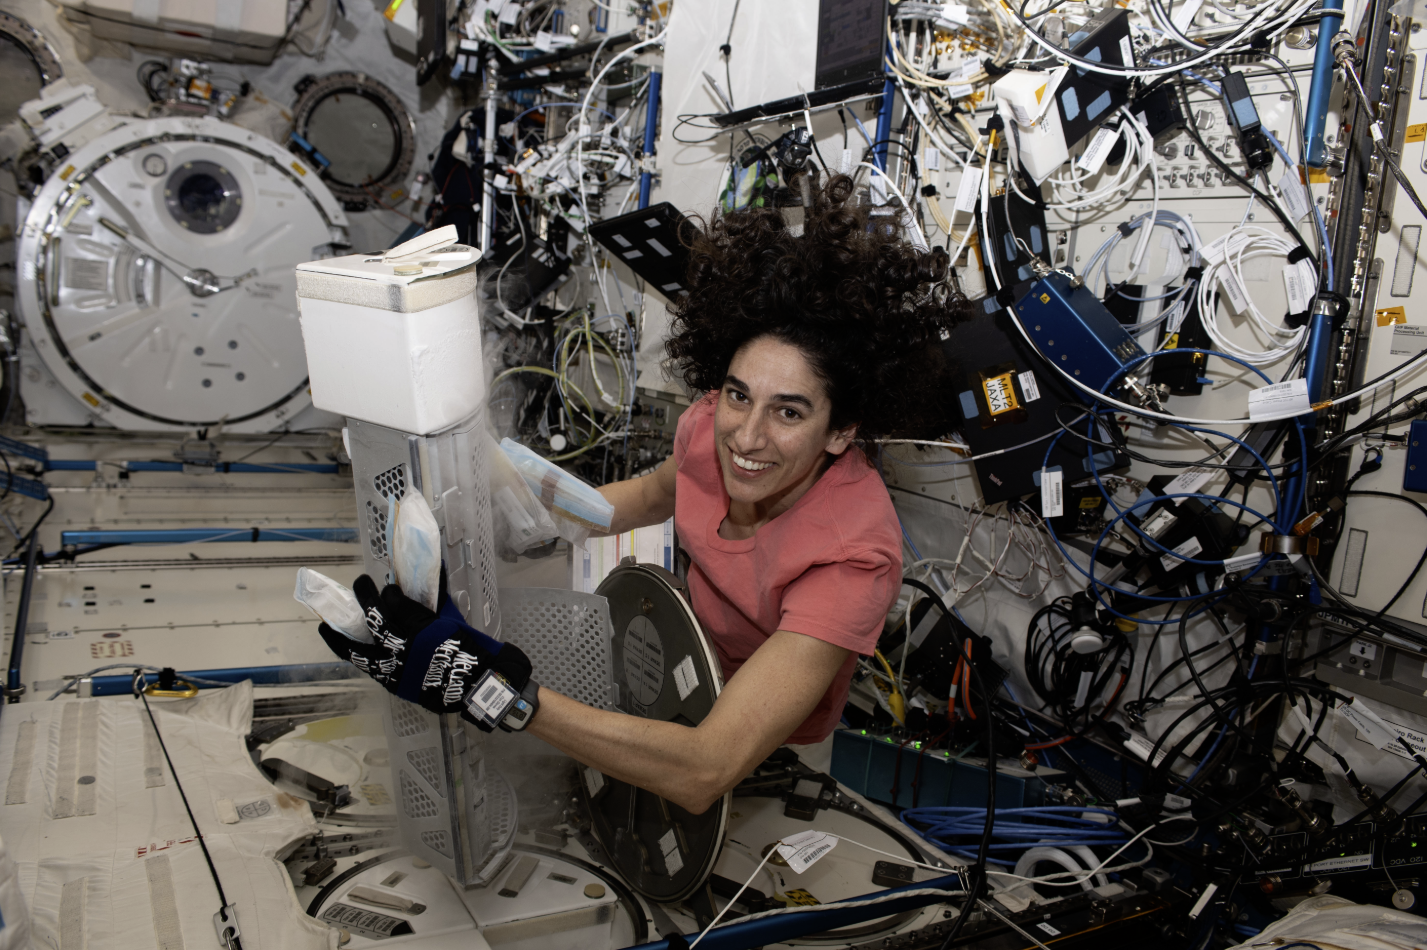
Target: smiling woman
{"x": 805, "y": 344}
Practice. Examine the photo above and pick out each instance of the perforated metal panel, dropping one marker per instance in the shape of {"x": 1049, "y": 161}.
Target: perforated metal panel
{"x": 445, "y": 811}
{"x": 427, "y": 764}
{"x": 415, "y": 803}
{"x": 567, "y": 635}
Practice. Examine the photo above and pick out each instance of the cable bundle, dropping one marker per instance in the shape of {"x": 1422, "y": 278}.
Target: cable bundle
{"x": 956, "y": 830}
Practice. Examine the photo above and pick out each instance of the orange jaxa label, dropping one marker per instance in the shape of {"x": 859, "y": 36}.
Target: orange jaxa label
{"x": 1416, "y": 133}
{"x": 391, "y": 8}
{"x": 1390, "y": 315}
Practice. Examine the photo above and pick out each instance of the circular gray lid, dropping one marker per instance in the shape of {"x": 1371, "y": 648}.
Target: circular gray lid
{"x": 666, "y": 669}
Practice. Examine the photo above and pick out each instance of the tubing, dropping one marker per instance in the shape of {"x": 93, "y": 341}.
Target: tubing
{"x": 651, "y": 125}
{"x": 1315, "y": 115}
{"x": 88, "y": 465}
{"x": 14, "y": 685}
{"x": 121, "y": 684}
{"x": 201, "y": 535}
{"x": 884, "y": 125}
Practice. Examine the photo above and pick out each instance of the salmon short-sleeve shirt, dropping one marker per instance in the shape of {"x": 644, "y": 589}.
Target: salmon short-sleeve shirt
{"x": 829, "y": 567}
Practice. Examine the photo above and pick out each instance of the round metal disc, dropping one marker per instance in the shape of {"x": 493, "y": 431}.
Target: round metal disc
{"x": 364, "y": 132}
{"x": 27, "y": 63}
{"x": 157, "y": 278}
{"x": 667, "y": 670}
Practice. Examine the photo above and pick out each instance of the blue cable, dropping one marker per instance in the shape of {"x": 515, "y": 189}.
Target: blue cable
{"x": 1099, "y": 585}
{"x": 1055, "y": 826}
{"x": 545, "y": 105}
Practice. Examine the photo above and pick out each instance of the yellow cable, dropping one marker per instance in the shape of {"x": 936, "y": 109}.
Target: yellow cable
{"x": 896, "y": 701}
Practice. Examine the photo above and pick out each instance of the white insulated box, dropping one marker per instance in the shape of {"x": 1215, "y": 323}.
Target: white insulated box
{"x": 398, "y": 350}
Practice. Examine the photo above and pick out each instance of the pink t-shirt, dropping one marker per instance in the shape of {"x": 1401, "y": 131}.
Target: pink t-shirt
{"x": 829, "y": 567}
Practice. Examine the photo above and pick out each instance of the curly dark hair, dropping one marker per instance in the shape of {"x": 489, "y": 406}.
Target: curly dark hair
{"x": 864, "y": 306}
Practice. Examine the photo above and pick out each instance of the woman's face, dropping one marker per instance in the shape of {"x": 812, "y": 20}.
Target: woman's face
{"x": 771, "y": 427}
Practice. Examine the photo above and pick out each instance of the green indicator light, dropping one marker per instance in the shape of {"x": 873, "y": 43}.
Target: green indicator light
{"x": 864, "y": 732}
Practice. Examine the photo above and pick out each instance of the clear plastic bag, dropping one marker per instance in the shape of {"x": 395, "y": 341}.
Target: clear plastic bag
{"x": 416, "y": 550}
{"x": 577, "y": 508}
{"x": 520, "y": 521}
{"x": 333, "y": 603}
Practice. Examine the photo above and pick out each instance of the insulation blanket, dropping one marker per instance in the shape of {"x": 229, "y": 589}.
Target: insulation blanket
{"x": 104, "y": 852}
{"x": 1336, "y": 924}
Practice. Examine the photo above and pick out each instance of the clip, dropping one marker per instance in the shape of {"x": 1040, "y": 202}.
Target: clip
{"x": 225, "y": 922}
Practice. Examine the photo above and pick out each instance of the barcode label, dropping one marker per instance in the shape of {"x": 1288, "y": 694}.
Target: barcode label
{"x": 804, "y": 848}
{"x": 1177, "y": 555}
{"x": 490, "y": 698}
{"x": 1029, "y": 388}
{"x": 1294, "y": 194}
{"x": 969, "y": 190}
{"x": 1187, "y": 482}
{"x": 686, "y": 678}
{"x": 1052, "y": 495}
{"x": 1229, "y": 282}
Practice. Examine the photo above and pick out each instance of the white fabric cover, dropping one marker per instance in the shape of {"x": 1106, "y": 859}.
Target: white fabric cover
{"x": 101, "y": 881}
{"x": 15, "y": 928}
{"x": 1337, "y": 924}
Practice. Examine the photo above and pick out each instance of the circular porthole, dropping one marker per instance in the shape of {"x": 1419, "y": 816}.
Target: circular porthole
{"x": 27, "y": 64}
{"x": 203, "y": 197}
{"x": 358, "y": 135}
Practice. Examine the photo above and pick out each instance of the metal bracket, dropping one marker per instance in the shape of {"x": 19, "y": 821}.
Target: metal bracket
{"x": 1270, "y": 543}
{"x": 227, "y": 929}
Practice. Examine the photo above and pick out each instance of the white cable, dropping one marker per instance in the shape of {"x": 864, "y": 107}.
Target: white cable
{"x": 1247, "y": 243}
{"x": 1246, "y": 34}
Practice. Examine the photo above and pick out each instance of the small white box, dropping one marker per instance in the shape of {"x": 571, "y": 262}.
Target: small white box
{"x": 1027, "y": 93}
{"x": 1041, "y": 146}
{"x": 402, "y": 351}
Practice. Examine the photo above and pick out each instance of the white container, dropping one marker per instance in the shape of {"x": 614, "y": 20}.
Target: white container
{"x": 1028, "y": 93}
{"x": 397, "y": 350}
{"x": 238, "y": 31}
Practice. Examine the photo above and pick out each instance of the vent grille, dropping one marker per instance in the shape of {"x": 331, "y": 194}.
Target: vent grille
{"x": 424, "y": 761}
{"x": 438, "y": 841}
{"x": 408, "y": 720}
{"x": 414, "y": 801}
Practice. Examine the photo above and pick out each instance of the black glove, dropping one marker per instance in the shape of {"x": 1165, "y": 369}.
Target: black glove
{"x": 435, "y": 660}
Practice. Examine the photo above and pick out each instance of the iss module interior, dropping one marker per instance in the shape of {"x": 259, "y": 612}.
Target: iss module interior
{"x": 655, "y": 474}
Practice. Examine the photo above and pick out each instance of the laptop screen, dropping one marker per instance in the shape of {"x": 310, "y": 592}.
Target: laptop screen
{"x": 851, "y": 40}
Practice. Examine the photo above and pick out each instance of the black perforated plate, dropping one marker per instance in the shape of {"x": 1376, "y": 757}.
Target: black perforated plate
{"x": 666, "y": 669}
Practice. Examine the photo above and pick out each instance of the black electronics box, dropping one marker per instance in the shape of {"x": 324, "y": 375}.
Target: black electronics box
{"x": 1193, "y": 528}
{"x": 1183, "y": 373}
{"x": 1013, "y": 264}
{"x": 1008, "y": 396}
{"x": 653, "y": 241}
{"x": 1159, "y": 111}
{"x": 1086, "y": 99}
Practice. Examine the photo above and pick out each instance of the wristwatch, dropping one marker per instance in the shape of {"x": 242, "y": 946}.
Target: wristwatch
{"x": 526, "y": 705}
{"x": 494, "y": 702}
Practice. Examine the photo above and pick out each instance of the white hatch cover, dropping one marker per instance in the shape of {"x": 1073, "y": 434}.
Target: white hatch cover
{"x": 157, "y": 275}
